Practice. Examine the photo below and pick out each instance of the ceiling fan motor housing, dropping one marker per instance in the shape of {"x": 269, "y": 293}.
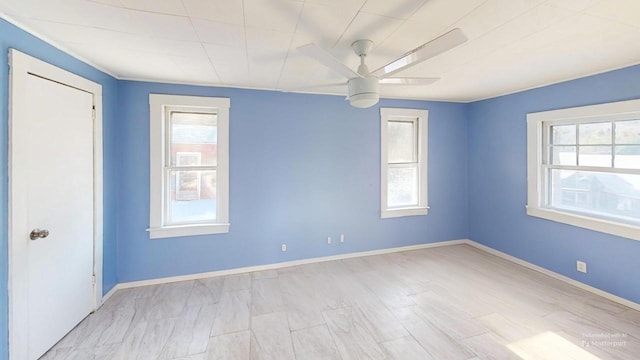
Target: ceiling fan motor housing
{"x": 363, "y": 91}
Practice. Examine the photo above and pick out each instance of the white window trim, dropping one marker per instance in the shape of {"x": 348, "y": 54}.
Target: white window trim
{"x": 535, "y": 176}
{"x": 422, "y": 117}
{"x": 157, "y": 104}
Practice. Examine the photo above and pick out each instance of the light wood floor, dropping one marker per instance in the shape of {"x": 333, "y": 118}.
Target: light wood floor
{"x": 453, "y": 302}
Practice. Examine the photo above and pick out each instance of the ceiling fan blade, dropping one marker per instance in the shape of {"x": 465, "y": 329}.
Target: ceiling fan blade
{"x": 423, "y": 52}
{"x": 328, "y": 60}
{"x": 407, "y": 81}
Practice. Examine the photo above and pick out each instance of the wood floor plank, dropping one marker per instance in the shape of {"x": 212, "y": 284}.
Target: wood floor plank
{"x": 237, "y": 282}
{"x": 206, "y": 291}
{"x": 233, "y": 313}
{"x": 191, "y": 332}
{"x": 299, "y": 297}
{"x": 314, "y": 343}
{"x": 271, "y": 338}
{"x": 352, "y": 338}
{"x": 155, "y": 338}
{"x": 192, "y": 357}
{"x": 436, "y": 342}
{"x": 509, "y": 329}
{"x": 490, "y": 347}
{"x": 234, "y": 346}
{"x": 380, "y": 322}
{"x": 387, "y": 289}
{"x": 434, "y": 309}
{"x": 405, "y": 348}
{"x": 553, "y": 346}
{"x": 266, "y": 296}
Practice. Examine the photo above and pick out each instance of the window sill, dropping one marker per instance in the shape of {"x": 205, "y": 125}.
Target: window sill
{"x": 393, "y": 213}
{"x": 601, "y": 225}
{"x": 187, "y": 230}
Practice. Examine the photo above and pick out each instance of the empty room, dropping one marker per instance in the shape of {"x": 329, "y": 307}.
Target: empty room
{"x": 319, "y": 179}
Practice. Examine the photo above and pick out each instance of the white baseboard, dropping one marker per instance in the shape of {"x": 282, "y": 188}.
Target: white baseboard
{"x": 555, "y": 275}
{"x": 274, "y": 266}
{"x": 109, "y": 293}
{"x": 172, "y": 279}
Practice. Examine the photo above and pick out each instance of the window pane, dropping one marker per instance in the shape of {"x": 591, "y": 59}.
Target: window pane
{"x": 402, "y": 186}
{"x": 595, "y": 133}
{"x": 562, "y": 155}
{"x": 563, "y": 135}
{"x": 595, "y": 156}
{"x": 605, "y": 195}
{"x": 627, "y": 157}
{"x": 402, "y": 147}
{"x": 628, "y": 132}
{"x": 194, "y": 134}
{"x": 192, "y": 197}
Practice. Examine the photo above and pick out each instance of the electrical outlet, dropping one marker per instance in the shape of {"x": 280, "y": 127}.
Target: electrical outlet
{"x": 341, "y": 237}
{"x": 329, "y": 240}
{"x": 284, "y": 247}
{"x": 581, "y": 266}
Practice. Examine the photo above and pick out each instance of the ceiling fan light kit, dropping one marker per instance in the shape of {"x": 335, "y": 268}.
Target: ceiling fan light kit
{"x": 363, "y": 86}
{"x": 363, "y": 91}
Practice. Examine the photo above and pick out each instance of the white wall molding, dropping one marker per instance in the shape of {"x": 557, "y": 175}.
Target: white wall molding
{"x": 58, "y": 45}
{"x": 280, "y": 265}
{"x": 109, "y": 293}
{"x": 555, "y": 275}
{"x": 500, "y": 254}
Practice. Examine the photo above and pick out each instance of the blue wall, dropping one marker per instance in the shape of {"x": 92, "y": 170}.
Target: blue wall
{"x": 12, "y": 37}
{"x": 498, "y": 186}
{"x": 302, "y": 167}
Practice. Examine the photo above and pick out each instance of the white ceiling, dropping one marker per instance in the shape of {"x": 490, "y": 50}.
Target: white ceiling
{"x": 513, "y": 44}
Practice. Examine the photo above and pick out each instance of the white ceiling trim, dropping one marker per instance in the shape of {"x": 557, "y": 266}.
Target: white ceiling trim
{"x": 54, "y": 43}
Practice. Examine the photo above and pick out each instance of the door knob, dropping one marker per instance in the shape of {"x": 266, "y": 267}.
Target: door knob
{"x": 38, "y": 234}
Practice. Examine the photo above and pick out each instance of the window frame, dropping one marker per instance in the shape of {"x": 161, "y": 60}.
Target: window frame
{"x": 421, "y": 118}
{"x": 537, "y": 163}
{"x": 159, "y": 107}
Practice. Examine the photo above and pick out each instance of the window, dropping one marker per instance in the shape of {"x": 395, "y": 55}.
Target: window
{"x": 189, "y": 165}
{"x": 584, "y": 167}
{"x": 403, "y": 162}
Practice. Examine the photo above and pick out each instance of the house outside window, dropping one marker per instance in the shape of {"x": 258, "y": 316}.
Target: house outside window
{"x": 189, "y": 165}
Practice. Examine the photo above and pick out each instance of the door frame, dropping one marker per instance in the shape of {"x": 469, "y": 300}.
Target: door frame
{"x": 22, "y": 66}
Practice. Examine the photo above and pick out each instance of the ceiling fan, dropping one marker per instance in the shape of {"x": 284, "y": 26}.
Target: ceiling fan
{"x": 363, "y": 84}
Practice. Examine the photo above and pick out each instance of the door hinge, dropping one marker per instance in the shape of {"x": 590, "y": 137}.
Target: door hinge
{"x": 93, "y": 113}
{"x": 93, "y": 279}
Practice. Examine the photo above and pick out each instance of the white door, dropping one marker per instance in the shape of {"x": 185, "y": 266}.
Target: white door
{"x": 52, "y": 211}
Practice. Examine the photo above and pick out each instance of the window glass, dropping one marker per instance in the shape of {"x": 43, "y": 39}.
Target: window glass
{"x": 595, "y": 156}
{"x": 192, "y": 197}
{"x": 563, "y": 134}
{"x": 403, "y": 186}
{"x": 628, "y": 132}
{"x": 563, "y": 155}
{"x": 595, "y": 133}
{"x": 402, "y": 141}
{"x": 195, "y": 133}
{"x": 602, "y": 194}
{"x": 627, "y": 157}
